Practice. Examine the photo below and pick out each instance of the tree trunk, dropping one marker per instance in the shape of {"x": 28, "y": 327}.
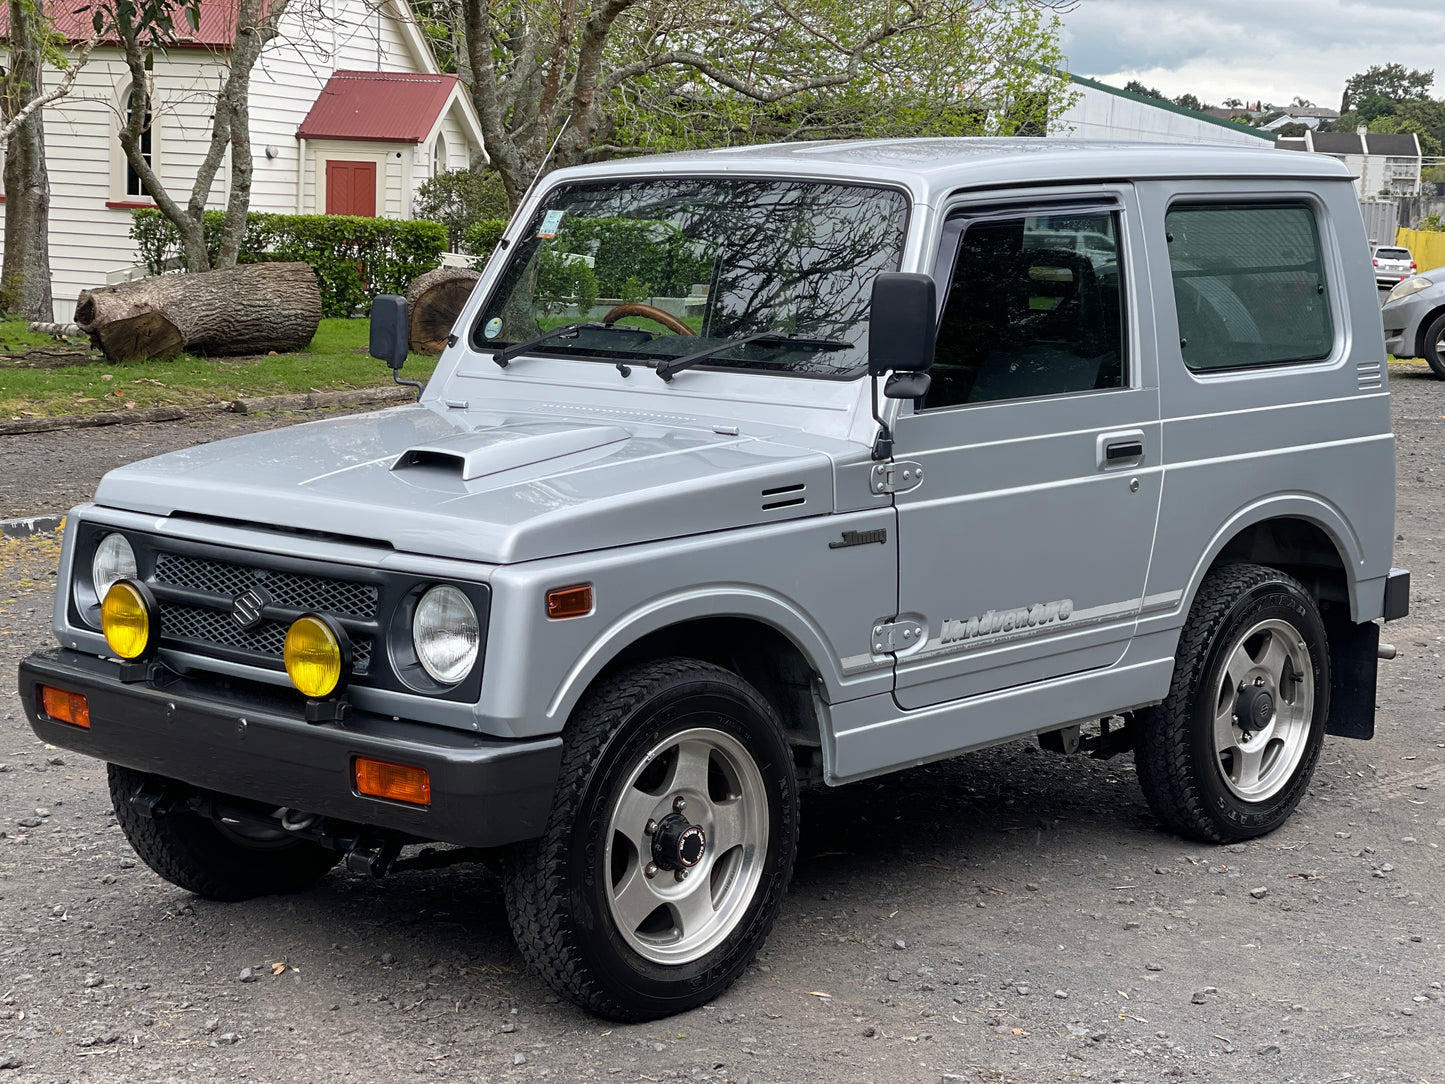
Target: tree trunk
{"x": 250, "y": 309}
{"x": 25, "y": 277}
{"x": 433, "y": 303}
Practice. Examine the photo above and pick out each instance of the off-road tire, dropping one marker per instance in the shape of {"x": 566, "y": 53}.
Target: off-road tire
{"x": 198, "y": 855}
{"x": 1433, "y": 345}
{"x": 557, "y": 887}
{"x": 1174, "y": 743}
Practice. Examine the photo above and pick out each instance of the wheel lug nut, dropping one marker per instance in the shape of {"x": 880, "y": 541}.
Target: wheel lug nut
{"x": 649, "y": 827}
{"x": 679, "y": 803}
{"x": 1259, "y": 681}
{"x": 680, "y": 875}
{"x": 649, "y": 870}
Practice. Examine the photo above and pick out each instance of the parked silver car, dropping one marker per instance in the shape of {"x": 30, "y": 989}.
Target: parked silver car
{"x": 1414, "y": 316}
{"x": 1392, "y": 265}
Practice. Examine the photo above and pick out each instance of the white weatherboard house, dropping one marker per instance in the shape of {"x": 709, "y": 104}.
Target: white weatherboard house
{"x": 349, "y": 115}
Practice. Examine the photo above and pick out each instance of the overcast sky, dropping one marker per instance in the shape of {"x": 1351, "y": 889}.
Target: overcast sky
{"x": 1252, "y": 49}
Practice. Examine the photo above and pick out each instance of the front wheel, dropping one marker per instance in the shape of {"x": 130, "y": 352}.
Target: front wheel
{"x": 669, "y": 846}
{"x": 211, "y": 859}
{"x": 1434, "y": 345}
{"x": 1229, "y": 753}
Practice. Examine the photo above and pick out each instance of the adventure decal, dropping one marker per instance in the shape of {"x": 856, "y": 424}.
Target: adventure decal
{"x": 997, "y": 621}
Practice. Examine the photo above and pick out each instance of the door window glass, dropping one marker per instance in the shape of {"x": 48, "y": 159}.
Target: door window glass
{"x": 1035, "y": 307}
{"x": 1249, "y": 285}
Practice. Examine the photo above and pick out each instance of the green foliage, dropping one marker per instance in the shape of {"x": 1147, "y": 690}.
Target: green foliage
{"x": 1133, "y": 86}
{"x": 355, "y": 259}
{"x": 1433, "y": 174}
{"x": 1432, "y": 223}
{"x": 1393, "y": 82}
{"x": 1374, "y": 106}
{"x": 459, "y": 199}
{"x": 1189, "y": 101}
{"x": 484, "y": 236}
{"x": 992, "y": 71}
{"x": 654, "y": 254}
{"x": 564, "y": 280}
{"x": 1289, "y": 131}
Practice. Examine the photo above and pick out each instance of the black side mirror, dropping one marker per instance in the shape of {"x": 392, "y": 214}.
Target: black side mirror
{"x": 390, "y": 336}
{"x": 902, "y": 324}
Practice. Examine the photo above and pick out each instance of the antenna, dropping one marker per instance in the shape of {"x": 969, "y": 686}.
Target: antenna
{"x": 542, "y": 168}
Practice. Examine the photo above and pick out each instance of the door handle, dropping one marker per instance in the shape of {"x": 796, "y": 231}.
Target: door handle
{"x": 1120, "y": 449}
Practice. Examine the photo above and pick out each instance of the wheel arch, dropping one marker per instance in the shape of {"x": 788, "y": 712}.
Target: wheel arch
{"x": 1424, "y": 326}
{"x": 761, "y": 639}
{"x": 1303, "y": 536}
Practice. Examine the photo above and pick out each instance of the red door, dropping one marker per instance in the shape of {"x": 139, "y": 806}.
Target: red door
{"x": 351, "y": 188}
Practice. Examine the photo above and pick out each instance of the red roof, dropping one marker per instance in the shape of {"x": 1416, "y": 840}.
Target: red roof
{"x": 393, "y": 107}
{"x": 217, "y": 29}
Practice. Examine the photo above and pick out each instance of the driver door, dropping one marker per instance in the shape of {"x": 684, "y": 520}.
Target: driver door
{"x": 1024, "y": 551}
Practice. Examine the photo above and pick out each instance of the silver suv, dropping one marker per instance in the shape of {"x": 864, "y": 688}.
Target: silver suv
{"x": 755, "y": 468}
{"x": 1414, "y": 319}
{"x": 1392, "y": 265}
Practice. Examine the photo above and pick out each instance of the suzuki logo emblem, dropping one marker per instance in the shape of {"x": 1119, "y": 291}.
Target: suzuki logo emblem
{"x": 246, "y": 609}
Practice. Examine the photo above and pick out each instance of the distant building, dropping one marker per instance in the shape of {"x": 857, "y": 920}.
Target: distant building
{"x": 1382, "y": 165}
{"x": 1311, "y": 116}
{"x": 1105, "y": 112}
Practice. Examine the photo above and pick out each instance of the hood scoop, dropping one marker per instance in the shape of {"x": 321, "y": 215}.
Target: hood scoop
{"x": 467, "y": 456}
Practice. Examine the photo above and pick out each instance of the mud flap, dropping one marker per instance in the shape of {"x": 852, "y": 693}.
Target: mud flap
{"x": 1354, "y": 663}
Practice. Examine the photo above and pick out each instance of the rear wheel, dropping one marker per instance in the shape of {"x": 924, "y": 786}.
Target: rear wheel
{"x": 669, "y": 847}
{"x": 1230, "y": 751}
{"x": 1434, "y": 345}
{"x": 212, "y": 860}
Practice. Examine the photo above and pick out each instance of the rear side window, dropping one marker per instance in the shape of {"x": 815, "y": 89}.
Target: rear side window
{"x": 1249, "y": 285}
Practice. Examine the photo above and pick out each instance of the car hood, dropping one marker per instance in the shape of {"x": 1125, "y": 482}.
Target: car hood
{"x": 495, "y": 488}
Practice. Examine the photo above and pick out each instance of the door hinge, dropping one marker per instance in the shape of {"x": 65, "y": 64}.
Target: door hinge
{"x": 897, "y": 477}
{"x": 896, "y": 635}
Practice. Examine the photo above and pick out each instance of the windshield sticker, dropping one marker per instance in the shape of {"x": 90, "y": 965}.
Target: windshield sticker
{"x": 550, "y": 221}
{"x": 493, "y": 327}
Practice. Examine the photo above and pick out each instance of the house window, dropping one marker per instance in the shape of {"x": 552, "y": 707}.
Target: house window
{"x": 439, "y": 156}
{"x": 133, "y": 185}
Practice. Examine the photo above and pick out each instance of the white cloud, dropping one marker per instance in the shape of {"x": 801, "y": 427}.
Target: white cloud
{"x": 1249, "y": 50}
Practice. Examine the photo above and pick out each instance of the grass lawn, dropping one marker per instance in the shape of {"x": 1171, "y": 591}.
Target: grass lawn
{"x": 337, "y": 358}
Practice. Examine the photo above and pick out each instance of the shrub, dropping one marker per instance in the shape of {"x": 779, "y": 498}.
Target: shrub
{"x": 482, "y": 237}
{"x": 459, "y": 199}
{"x": 355, "y": 259}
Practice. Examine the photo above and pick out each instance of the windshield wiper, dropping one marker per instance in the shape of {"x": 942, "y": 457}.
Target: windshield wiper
{"x": 668, "y": 369}
{"x": 504, "y": 356}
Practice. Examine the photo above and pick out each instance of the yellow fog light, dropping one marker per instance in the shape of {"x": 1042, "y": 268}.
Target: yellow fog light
{"x": 317, "y": 655}
{"x": 129, "y": 620}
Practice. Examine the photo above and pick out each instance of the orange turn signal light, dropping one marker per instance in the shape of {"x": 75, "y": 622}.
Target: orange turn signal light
{"x": 67, "y": 707}
{"x": 397, "y": 782}
{"x": 574, "y": 600}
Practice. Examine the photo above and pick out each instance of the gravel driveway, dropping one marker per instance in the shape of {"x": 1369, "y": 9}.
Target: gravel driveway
{"x": 1010, "y": 915}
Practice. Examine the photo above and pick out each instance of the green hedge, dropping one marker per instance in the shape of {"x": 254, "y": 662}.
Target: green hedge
{"x": 355, "y": 259}
{"x": 633, "y": 258}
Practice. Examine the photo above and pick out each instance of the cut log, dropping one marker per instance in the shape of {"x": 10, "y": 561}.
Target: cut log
{"x": 433, "y": 303}
{"x": 250, "y": 309}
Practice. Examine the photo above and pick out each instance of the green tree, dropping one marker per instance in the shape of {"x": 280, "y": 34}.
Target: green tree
{"x": 1189, "y": 101}
{"x": 630, "y": 76}
{"x": 1133, "y": 86}
{"x": 1393, "y": 82}
{"x": 32, "y": 44}
{"x": 1374, "y": 106}
{"x": 459, "y": 199}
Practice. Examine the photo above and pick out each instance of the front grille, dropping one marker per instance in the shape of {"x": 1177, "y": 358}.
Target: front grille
{"x": 202, "y": 627}
{"x": 287, "y": 589}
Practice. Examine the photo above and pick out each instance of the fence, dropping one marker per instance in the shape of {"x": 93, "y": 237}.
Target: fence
{"x": 1426, "y": 246}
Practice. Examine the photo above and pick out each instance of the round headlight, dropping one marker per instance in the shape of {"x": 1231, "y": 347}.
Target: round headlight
{"x": 445, "y": 634}
{"x": 315, "y": 655}
{"x": 113, "y": 560}
{"x": 125, "y": 618}
{"x": 1408, "y": 287}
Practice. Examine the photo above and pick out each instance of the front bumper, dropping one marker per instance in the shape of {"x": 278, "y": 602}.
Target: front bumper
{"x": 254, "y": 743}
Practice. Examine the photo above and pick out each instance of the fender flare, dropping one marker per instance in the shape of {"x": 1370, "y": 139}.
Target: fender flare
{"x": 697, "y": 603}
{"x": 1309, "y": 508}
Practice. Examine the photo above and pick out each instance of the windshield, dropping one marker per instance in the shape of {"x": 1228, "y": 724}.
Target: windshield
{"x": 689, "y": 264}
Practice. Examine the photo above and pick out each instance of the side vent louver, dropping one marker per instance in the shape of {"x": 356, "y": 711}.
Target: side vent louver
{"x": 785, "y": 496}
